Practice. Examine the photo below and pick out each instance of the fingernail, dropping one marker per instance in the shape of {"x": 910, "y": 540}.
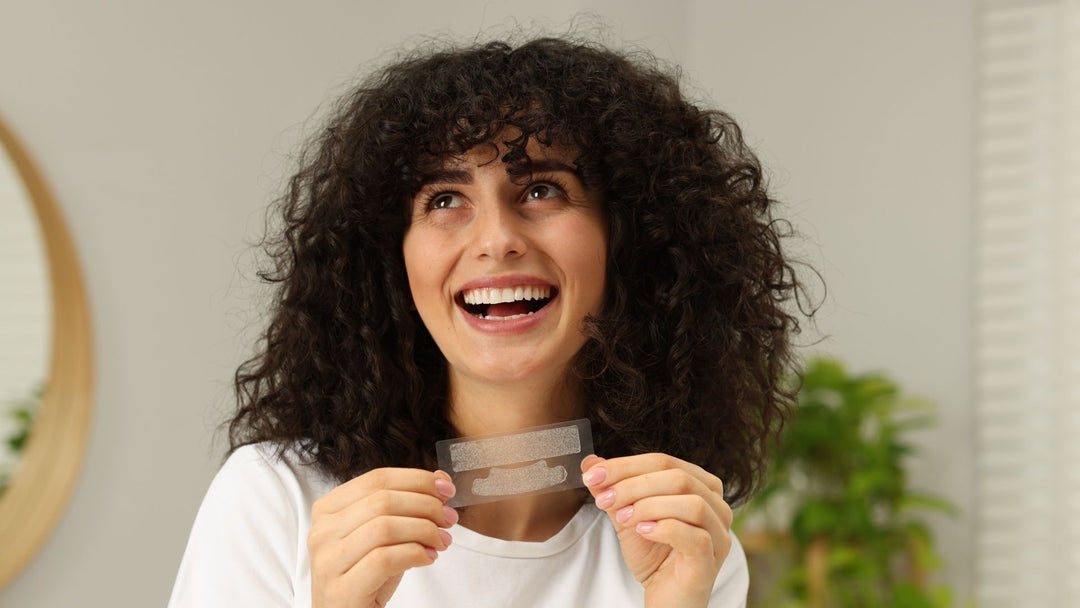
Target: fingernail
{"x": 646, "y": 526}
{"x": 624, "y": 514}
{"x": 594, "y": 476}
{"x": 445, "y": 487}
{"x": 450, "y": 514}
{"x": 606, "y": 499}
{"x": 446, "y": 538}
{"x": 431, "y": 552}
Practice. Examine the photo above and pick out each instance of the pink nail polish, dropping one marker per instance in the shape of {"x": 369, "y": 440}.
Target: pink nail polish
{"x": 431, "y": 552}
{"x": 595, "y": 476}
{"x": 445, "y": 487}
{"x": 645, "y": 527}
{"x": 450, "y": 514}
{"x": 624, "y": 514}
{"x": 606, "y": 499}
{"x": 446, "y": 538}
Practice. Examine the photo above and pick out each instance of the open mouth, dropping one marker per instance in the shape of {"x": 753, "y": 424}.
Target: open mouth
{"x": 505, "y": 303}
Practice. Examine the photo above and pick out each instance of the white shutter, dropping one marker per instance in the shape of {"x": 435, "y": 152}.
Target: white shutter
{"x": 1027, "y": 305}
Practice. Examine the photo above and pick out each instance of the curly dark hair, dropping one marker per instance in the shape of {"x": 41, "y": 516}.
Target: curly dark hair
{"x": 690, "y": 353}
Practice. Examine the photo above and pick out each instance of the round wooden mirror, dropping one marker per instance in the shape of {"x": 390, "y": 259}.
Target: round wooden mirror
{"x": 49, "y": 456}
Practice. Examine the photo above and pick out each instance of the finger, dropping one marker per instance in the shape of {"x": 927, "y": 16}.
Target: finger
{"x": 371, "y": 572}
{"x": 700, "y": 548}
{"x": 613, "y": 470}
{"x": 670, "y": 482}
{"x": 690, "y": 510}
{"x": 395, "y": 530}
{"x": 590, "y": 461}
{"x": 384, "y": 502}
{"x": 379, "y": 533}
{"x": 435, "y": 484}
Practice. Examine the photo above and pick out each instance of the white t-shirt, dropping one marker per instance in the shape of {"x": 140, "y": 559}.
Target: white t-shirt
{"x": 248, "y": 548}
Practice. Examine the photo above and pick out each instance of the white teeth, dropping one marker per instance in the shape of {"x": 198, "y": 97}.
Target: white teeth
{"x": 496, "y": 295}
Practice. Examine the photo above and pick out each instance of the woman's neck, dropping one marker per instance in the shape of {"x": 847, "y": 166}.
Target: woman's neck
{"x": 481, "y": 408}
{"x": 534, "y": 518}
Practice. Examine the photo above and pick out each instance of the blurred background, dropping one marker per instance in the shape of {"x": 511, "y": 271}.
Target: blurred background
{"x": 164, "y": 129}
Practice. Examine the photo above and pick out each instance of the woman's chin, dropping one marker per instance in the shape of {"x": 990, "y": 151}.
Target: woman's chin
{"x": 509, "y": 367}
{"x": 508, "y": 373}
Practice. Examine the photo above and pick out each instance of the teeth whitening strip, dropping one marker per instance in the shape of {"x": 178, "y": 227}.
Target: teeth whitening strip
{"x": 505, "y": 465}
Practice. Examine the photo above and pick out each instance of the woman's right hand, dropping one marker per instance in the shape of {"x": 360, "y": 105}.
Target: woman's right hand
{"x": 368, "y": 531}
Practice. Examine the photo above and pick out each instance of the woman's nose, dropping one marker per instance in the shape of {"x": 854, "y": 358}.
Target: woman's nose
{"x": 498, "y": 232}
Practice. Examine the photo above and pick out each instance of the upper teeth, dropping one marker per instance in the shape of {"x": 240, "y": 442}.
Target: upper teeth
{"x": 500, "y": 295}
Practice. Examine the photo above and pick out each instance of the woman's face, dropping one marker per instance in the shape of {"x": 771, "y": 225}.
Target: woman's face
{"x": 505, "y": 264}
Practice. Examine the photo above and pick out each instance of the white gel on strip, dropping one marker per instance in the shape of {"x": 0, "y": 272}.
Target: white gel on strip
{"x": 531, "y": 461}
{"x": 519, "y": 447}
{"x": 506, "y": 482}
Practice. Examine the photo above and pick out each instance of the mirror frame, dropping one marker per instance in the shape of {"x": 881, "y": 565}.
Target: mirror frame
{"x": 31, "y": 507}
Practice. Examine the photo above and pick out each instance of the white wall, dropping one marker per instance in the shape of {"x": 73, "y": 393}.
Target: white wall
{"x": 165, "y": 128}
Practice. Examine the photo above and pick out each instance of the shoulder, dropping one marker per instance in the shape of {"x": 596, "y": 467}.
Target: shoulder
{"x": 264, "y": 486}
{"x": 268, "y": 470}
{"x": 261, "y": 463}
{"x": 248, "y": 538}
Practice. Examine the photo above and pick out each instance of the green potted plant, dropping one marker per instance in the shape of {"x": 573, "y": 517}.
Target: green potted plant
{"x": 837, "y": 493}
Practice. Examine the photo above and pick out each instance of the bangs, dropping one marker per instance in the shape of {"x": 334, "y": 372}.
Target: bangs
{"x": 490, "y": 95}
{"x": 509, "y": 135}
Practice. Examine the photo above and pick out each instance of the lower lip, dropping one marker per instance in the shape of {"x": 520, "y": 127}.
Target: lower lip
{"x": 509, "y": 326}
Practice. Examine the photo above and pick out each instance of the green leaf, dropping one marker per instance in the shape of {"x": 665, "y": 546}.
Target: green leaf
{"x": 942, "y": 596}
{"x": 18, "y": 441}
{"x": 845, "y": 558}
{"x": 22, "y": 416}
{"x": 824, "y": 373}
{"x": 907, "y": 595}
{"x": 912, "y": 501}
{"x": 813, "y": 519}
{"x": 873, "y": 391}
{"x": 868, "y": 481}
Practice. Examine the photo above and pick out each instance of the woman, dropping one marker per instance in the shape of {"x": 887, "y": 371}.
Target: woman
{"x": 488, "y": 239}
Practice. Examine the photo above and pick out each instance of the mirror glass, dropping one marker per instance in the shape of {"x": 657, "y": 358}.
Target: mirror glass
{"x": 25, "y": 318}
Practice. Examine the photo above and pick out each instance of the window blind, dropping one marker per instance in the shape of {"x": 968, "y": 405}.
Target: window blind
{"x": 1027, "y": 305}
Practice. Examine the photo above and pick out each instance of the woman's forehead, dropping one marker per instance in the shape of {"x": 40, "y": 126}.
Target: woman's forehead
{"x": 534, "y": 154}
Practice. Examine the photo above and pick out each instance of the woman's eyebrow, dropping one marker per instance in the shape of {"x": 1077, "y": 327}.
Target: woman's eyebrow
{"x": 447, "y": 176}
{"x": 540, "y": 166}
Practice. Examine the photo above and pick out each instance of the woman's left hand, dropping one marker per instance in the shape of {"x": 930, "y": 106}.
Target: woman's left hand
{"x": 673, "y": 524}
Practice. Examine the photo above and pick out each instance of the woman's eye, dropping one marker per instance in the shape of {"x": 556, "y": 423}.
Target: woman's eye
{"x": 542, "y": 191}
{"x": 445, "y": 201}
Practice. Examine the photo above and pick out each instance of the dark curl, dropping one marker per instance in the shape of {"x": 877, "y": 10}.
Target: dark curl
{"x": 690, "y": 351}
